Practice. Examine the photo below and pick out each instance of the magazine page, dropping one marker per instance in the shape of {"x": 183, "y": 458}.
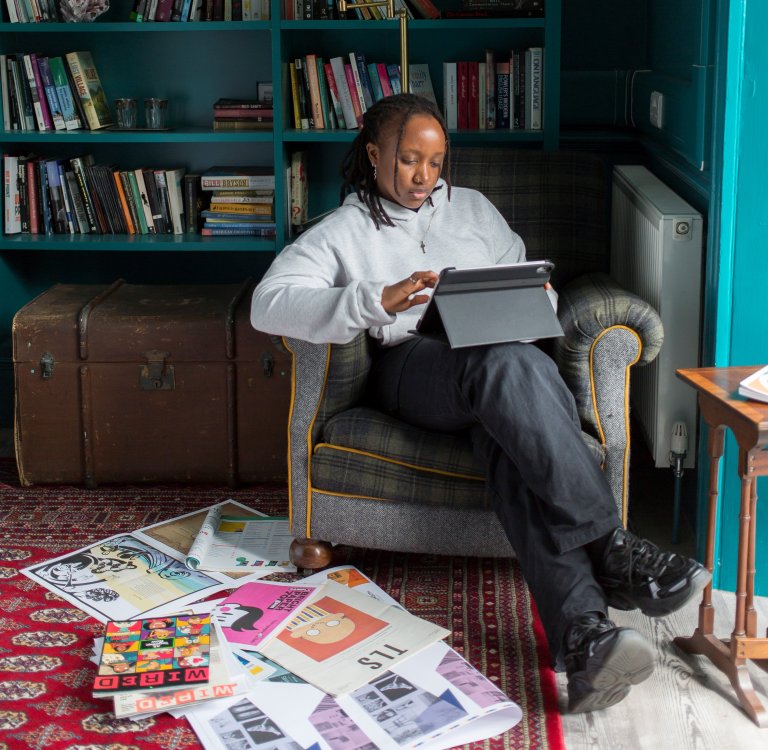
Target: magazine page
{"x": 257, "y": 610}
{"x": 124, "y": 577}
{"x": 202, "y": 541}
{"x": 350, "y": 576}
{"x": 756, "y": 385}
{"x": 433, "y": 700}
{"x": 240, "y": 544}
{"x": 342, "y": 639}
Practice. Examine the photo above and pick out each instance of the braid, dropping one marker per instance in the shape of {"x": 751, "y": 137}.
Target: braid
{"x": 356, "y": 168}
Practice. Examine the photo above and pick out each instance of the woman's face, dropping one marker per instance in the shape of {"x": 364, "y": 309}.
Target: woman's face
{"x": 419, "y": 161}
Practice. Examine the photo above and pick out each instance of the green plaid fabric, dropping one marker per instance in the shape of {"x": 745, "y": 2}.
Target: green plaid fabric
{"x": 557, "y": 201}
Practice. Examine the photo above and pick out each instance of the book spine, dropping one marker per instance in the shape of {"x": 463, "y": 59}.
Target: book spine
{"x": 78, "y": 167}
{"x": 373, "y": 77}
{"x": 329, "y": 115}
{"x": 11, "y": 202}
{"x": 174, "y": 180}
{"x": 425, "y": 8}
{"x": 163, "y": 200}
{"x": 21, "y": 181}
{"x": 65, "y": 196}
{"x": 474, "y": 95}
{"x": 139, "y": 217}
{"x": 45, "y": 204}
{"x": 358, "y": 100}
{"x": 362, "y": 72}
{"x": 345, "y": 96}
{"x": 192, "y": 201}
{"x": 237, "y": 182}
{"x": 144, "y": 198}
{"x": 314, "y": 91}
{"x": 33, "y": 196}
{"x": 305, "y": 103}
{"x": 163, "y": 10}
{"x": 462, "y": 84}
{"x": 81, "y": 88}
{"x": 514, "y": 89}
{"x": 333, "y": 91}
{"x": 51, "y": 94}
{"x": 244, "y": 231}
{"x": 450, "y": 96}
{"x": 386, "y": 88}
{"x": 89, "y": 89}
{"x": 78, "y": 207}
{"x": 97, "y": 200}
{"x": 535, "y": 90}
{"x": 42, "y": 116}
{"x": 4, "y": 91}
{"x": 502, "y": 95}
{"x": 299, "y": 188}
{"x": 393, "y": 69}
{"x": 490, "y": 90}
{"x": 58, "y": 212}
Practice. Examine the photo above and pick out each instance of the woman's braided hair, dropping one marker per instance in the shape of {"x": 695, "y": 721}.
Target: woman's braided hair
{"x": 356, "y": 169}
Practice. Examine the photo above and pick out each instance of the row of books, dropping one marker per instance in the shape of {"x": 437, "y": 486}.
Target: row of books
{"x": 243, "y": 114}
{"x": 335, "y": 94}
{"x": 78, "y": 196}
{"x": 200, "y": 10}
{"x": 52, "y": 93}
{"x": 328, "y": 10}
{"x": 495, "y": 94}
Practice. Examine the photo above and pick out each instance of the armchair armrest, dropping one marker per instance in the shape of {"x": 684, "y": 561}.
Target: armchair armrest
{"x": 607, "y": 330}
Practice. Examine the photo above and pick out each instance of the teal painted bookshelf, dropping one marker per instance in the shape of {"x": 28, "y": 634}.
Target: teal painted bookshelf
{"x": 192, "y": 64}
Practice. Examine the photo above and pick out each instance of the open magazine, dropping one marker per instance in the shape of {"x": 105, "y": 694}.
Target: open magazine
{"x": 433, "y": 699}
{"x": 755, "y": 386}
{"x": 241, "y": 543}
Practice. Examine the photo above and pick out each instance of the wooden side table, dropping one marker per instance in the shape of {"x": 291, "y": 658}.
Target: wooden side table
{"x": 722, "y": 407}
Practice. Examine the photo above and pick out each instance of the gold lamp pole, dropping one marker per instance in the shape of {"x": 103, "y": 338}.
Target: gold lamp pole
{"x": 401, "y": 15}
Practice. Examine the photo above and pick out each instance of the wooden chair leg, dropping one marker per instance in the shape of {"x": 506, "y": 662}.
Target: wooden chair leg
{"x": 310, "y": 553}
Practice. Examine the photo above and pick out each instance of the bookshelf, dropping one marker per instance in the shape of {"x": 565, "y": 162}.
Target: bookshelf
{"x": 192, "y": 64}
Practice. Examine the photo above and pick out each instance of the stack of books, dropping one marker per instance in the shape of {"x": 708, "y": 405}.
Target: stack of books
{"x": 242, "y": 201}
{"x": 52, "y": 93}
{"x": 242, "y": 114}
{"x": 199, "y": 10}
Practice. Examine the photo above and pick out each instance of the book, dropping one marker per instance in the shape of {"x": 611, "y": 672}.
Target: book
{"x": 393, "y": 69}
{"x": 502, "y": 95}
{"x": 58, "y": 210}
{"x": 224, "y": 230}
{"x": 295, "y": 96}
{"x": 420, "y": 82}
{"x": 341, "y": 639}
{"x": 302, "y": 91}
{"x": 39, "y": 103}
{"x": 175, "y": 184}
{"x": 244, "y": 124}
{"x": 755, "y": 386}
{"x": 425, "y": 8}
{"x": 462, "y": 95}
{"x": 345, "y": 94}
{"x": 245, "y": 178}
{"x": 144, "y": 201}
{"x": 373, "y": 77}
{"x": 450, "y": 95}
{"x": 89, "y": 89}
{"x": 154, "y": 653}
{"x": 355, "y": 85}
{"x": 78, "y": 165}
{"x": 227, "y": 103}
{"x": 193, "y": 202}
{"x": 473, "y": 106}
{"x": 506, "y": 8}
{"x": 299, "y": 188}
{"x": 246, "y": 210}
{"x": 386, "y": 88}
{"x": 329, "y": 115}
{"x": 490, "y": 90}
{"x": 333, "y": 92}
{"x": 534, "y": 62}
{"x": 252, "y": 543}
{"x": 51, "y": 94}
{"x": 12, "y": 199}
{"x": 358, "y": 59}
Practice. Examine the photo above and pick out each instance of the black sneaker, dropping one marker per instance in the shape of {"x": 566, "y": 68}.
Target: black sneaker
{"x": 602, "y": 662}
{"x": 636, "y": 574}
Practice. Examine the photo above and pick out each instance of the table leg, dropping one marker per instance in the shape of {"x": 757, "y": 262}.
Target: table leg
{"x": 715, "y": 444}
{"x": 751, "y": 613}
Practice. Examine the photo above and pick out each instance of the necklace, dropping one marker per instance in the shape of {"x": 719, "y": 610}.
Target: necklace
{"x": 423, "y": 241}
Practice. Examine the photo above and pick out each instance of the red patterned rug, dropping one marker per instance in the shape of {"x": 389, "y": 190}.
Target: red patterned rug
{"x": 45, "y": 643}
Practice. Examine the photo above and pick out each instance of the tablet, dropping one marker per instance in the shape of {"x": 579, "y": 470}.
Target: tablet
{"x": 491, "y": 305}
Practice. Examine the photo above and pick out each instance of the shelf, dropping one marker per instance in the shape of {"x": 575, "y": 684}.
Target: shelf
{"x": 447, "y": 24}
{"x": 109, "y": 27}
{"x": 456, "y": 136}
{"x": 133, "y": 243}
{"x": 182, "y": 135}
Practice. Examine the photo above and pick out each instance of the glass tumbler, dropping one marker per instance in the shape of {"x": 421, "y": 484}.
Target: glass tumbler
{"x": 125, "y": 112}
{"x": 156, "y": 113}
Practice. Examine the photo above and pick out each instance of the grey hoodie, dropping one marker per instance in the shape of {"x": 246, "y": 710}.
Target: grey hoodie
{"x": 326, "y": 287}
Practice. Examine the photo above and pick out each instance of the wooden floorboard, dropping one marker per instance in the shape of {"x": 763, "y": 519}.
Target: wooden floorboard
{"x": 687, "y": 704}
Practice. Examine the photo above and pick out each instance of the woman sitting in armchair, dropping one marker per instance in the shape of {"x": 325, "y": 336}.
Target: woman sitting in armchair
{"x": 366, "y": 267}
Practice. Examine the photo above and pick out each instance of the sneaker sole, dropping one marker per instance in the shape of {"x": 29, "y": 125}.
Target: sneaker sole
{"x": 623, "y": 660}
{"x": 666, "y": 606}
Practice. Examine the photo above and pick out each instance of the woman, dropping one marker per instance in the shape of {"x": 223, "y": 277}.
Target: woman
{"x": 367, "y": 266}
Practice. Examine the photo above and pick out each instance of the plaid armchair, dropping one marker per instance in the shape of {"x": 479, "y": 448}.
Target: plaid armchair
{"x": 362, "y": 478}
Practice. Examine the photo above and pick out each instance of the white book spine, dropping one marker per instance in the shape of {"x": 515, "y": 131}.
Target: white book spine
{"x": 345, "y": 96}
{"x": 481, "y": 95}
{"x": 450, "y": 96}
{"x": 534, "y": 70}
{"x": 358, "y": 83}
{"x": 11, "y": 202}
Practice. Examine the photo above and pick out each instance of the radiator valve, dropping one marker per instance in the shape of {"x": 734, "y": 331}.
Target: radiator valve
{"x": 678, "y": 448}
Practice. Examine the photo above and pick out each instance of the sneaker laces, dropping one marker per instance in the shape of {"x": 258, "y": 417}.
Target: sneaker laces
{"x": 640, "y": 558}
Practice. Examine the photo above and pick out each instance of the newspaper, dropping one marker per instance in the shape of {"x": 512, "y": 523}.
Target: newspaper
{"x": 341, "y": 639}
{"x": 136, "y": 574}
{"x": 240, "y": 543}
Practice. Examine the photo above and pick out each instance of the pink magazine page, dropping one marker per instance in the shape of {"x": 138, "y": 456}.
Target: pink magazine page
{"x": 258, "y": 609}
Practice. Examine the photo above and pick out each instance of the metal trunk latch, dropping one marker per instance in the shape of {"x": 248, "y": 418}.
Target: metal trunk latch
{"x": 46, "y": 366}
{"x": 156, "y": 375}
{"x": 267, "y": 364}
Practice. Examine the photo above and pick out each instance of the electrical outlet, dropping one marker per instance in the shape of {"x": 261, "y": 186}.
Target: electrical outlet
{"x": 657, "y": 109}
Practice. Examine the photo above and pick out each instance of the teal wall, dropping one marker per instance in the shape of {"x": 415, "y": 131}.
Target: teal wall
{"x": 741, "y": 334}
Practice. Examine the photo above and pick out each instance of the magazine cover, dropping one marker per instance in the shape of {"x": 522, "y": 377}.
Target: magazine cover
{"x": 154, "y": 653}
{"x": 343, "y": 638}
{"x": 257, "y": 610}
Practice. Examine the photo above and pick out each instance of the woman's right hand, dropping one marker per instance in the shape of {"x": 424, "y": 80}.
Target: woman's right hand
{"x": 404, "y": 294}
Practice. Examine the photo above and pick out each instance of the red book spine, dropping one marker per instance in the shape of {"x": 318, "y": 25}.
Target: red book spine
{"x": 354, "y": 93}
{"x": 474, "y": 95}
{"x": 33, "y": 197}
{"x": 386, "y": 88}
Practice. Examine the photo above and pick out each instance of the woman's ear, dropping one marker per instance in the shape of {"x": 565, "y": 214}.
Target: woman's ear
{"x": 373, "y": 153}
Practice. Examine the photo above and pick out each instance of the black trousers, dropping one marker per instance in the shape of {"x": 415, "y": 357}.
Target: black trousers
{"x": 547, "y": 489}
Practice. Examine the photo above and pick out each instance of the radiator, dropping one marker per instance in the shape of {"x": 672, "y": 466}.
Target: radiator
{"x": 656, "y": 252}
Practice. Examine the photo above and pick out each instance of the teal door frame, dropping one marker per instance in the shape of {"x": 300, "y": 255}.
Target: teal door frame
{"x": 736, "y": 280}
